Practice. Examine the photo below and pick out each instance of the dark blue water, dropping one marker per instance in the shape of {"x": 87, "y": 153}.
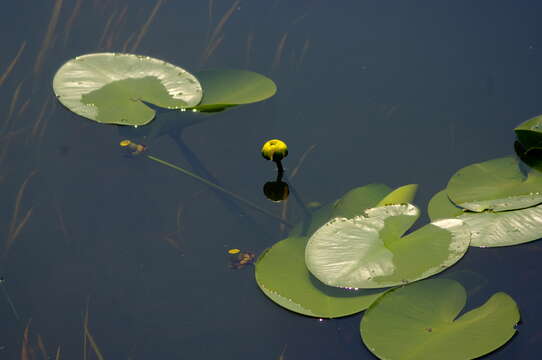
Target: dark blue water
{"x": 394, "y": 92}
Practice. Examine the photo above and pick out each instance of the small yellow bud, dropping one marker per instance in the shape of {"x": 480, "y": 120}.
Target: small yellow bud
{"x": 275, "y": 150}
{"x": 233, "y": 251}
{"x": 124, "y": 143}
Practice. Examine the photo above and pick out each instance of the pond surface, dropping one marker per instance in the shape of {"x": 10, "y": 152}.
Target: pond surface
{"x": 389, "y": 92}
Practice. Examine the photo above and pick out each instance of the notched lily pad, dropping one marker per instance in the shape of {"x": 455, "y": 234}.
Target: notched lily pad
{"x": 496, "y": 185}
{"x": 282, "y": 275}
{"x": 368, "y": 251}
{"x": 110, "y": 87}
{"x": 419, "y": 321}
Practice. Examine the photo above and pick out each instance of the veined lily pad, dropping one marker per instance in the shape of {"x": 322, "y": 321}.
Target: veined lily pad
{"x": 496, "y": 185}
{"x": 491, "y": 229}
{"x": 529, "y": 133}
{"x": 228, "y": 87}
{"x": 282, "y": 275}
{"x": 368, "y": 251}
{"x": 418, "y": 322}
{"x": 110, "y": 87}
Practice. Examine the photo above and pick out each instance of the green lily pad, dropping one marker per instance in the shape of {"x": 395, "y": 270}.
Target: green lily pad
{"x": 227, "y": 87}
{"x": 282, "y": 275}
{"x": 496, "y": 185}
{"x": 402, "y": 195}
{"x": 349, "y": 205}
{"x": 358, "y": 199}
{"x": 489, "y": 229}
{"x": 110, "y": 87}
{"x": 440, "y": 207}
{"x": 418, "y": 322}
{"x": 529, "y": 133}
{"x": 492, "y": 229}
{"x": 368, "y": 251}
{"x": 318, "y": 218}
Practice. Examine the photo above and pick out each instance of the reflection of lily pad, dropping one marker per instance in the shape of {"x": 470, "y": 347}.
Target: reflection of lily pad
{"x": 529, "y": 133}
{"x": 418, "y": 322}
{"x": 109, "y": 87}
{"x": 368, "y": 251}
{"x": 490, "y": 229}
{"x": 227, "y": 88}
{"x": 282, "y": 275}
{"x": 495, "y": 185}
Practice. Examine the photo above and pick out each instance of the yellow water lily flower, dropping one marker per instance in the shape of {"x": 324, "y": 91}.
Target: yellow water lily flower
{"x": 275, "y": 150}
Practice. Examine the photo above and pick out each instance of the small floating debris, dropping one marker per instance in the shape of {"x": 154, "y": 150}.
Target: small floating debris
{"x": 239, "y": 259}
{"x": 136, "y": 148}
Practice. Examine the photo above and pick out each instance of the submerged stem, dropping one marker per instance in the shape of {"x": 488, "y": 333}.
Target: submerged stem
{"x": 220, "y": 188}
{"x": 4, "y": 290}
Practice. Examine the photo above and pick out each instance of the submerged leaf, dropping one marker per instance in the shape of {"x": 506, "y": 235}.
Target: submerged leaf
{"x": 495, "y": 185}
{"x": 111, "y": 87}
{"x": 368, "y": 251}
{"x": 418, "y": 322}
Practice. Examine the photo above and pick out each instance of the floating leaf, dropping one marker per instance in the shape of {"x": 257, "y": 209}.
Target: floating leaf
{"x": 368, "y": 251}
{"x": 418, "y": 322}
{"x": 495, "y": 185}
{"x": 313, "y": 222}
{"x": 440, "y": 207}
{"x": 358, "y": 199}
{"x": 529, "y": 133}
{"x": 492, "y": 229}
{"x": 349, "y": 205}
{"x": 489, "y": 229}
{"x": 227, "y": 88}
{"x": 282, "y": 275}
{"x": 110, "y": 87}
{"x": 402, "y": 195}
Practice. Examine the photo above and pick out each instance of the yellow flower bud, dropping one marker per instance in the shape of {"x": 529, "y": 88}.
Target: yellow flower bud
{"x": 275, "y": 150}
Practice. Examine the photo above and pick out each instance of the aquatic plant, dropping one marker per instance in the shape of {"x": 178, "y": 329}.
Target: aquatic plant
{"x": 420, "y": 321}
{"x": 345, "y": 256}
{"x": 355, "y": 244}
{"x": 276, "y": 150}
{"x": 116, "y": 88}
